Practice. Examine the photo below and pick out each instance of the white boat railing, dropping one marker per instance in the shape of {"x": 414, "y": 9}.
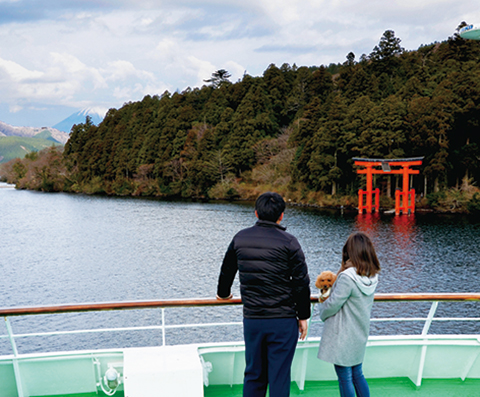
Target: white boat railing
{"x": 434, "y": 298}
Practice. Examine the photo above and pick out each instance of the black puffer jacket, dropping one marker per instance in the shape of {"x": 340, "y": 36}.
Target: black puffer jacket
{"x": 274, "y": 281}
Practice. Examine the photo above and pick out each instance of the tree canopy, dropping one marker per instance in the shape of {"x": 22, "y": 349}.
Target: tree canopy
{"x": 293, "y": 128}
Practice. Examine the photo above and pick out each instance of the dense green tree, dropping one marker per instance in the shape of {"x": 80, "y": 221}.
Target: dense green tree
{"x": 219, "y": 77}
{"x": 386, "y": 56}
{"x": 390, "y": 104}
{"x": 388, "y": 47}
{"x": 324, "y": 164}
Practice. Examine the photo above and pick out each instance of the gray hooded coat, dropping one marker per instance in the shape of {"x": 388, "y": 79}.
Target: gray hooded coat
{"x": 346, "y": 314}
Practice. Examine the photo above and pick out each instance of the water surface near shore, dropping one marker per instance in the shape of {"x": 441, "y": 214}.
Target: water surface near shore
{"x": 62, "y": 248}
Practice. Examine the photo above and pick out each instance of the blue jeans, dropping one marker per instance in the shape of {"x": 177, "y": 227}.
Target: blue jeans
{"x": 269, "y": 349}
{"x": 351, "y": 381}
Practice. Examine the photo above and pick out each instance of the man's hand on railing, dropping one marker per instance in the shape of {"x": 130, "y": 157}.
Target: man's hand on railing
{"x": 228, "y": 297}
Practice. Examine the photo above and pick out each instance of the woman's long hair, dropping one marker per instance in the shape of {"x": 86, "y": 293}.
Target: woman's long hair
{"x": 359, "y": 251}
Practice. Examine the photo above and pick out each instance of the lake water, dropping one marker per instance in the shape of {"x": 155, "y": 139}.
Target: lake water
{"x": 64, "y": 248}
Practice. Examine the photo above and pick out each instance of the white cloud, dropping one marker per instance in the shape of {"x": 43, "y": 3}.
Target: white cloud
{"x": 122, "y": 70}
{"x": 15, "y": 108}
{"x": 18, "y": 73}
{"x": 282, "y": 11}
{"x": 106, "y": 53}
{"x": 234, "y": 68}
{"x": 123, "y": 93}
{"x": 70, "y": 68}
{"x": 199, "y": 68}
{"x": 166, "y": 49}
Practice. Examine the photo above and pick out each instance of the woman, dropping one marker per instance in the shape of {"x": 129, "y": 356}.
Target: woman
{"x": 346, "y": 314}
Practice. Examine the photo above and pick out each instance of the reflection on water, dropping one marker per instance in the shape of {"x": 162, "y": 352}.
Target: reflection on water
{"x": 397, "y": 241}
{"x": 60, "y": 248}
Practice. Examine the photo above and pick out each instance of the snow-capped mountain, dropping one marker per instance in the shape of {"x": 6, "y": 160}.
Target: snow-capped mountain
{"x": 79, "y": 118}
{"x": 30, "y": 132}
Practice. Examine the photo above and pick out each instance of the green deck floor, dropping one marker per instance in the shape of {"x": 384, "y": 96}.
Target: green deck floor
{"x": 392, "y": 387}
{"x": 100, "y": 394}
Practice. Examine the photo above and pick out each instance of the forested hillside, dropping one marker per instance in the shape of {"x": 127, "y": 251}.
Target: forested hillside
{"x": 294, "y": 129}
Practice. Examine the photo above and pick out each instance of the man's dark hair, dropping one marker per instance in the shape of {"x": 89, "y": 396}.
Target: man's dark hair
{"x": 269, "y": 206}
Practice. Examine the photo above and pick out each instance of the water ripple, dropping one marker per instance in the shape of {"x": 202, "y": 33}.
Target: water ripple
{"x": 61, "y": 248}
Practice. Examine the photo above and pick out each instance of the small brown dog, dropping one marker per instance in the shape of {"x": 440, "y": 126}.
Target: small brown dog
{"x": 324, "y": 283}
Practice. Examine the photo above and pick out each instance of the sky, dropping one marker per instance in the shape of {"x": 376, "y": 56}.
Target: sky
{"x": 61, "y": 56}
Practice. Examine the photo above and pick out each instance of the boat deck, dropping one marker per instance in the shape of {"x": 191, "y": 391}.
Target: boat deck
{"x": 390, "y": 387}
{"x": 433, "y": 365}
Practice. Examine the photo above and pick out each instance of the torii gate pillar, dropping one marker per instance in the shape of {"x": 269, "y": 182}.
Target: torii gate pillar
{"x": 404, "y": 199}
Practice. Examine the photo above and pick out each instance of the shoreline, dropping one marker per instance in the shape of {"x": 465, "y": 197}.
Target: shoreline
{"x": 289, "y": 200}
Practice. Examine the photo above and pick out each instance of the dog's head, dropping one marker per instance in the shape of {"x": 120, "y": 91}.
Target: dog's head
{"x": 325, "y": 280}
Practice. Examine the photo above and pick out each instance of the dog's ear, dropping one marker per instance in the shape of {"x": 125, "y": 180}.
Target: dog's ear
{"x": 334, "y": 278}
{"x": 318, "y": 282}
{"x": 329, "y": 278}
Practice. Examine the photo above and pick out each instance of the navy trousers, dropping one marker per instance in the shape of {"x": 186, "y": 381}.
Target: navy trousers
{"x": 269, "y": 349}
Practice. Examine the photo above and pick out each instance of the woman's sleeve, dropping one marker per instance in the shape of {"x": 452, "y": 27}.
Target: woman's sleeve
{"x": 341, "y": 291}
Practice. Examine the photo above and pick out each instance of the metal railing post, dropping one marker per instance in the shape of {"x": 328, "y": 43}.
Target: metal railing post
{"x": 163, "y": 326}
{"x": 312, "y": 308}
{"x": 303, "y": 370}
{"x": 16, "y": 367}
{"x": 11, "y": 337}
{"x": 431, "y": 314}
{"x": 425, "y": 330}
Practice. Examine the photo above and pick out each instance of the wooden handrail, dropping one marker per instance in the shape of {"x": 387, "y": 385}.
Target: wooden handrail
{"x": 428, "y": 297}
{"x": 93, "y": 307}
{"x": 105, "y": 306}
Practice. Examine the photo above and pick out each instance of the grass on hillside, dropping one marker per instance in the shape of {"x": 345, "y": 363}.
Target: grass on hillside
{"x": 17, "y": 147}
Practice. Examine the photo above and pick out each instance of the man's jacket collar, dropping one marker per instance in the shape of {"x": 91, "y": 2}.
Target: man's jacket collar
{"x": 263, "y": 223}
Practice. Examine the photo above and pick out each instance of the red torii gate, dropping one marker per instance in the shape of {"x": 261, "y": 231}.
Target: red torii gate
{"x": 401, "y": 197}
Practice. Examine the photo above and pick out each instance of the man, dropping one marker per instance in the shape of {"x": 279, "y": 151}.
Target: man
{"x": 275, "y": 291}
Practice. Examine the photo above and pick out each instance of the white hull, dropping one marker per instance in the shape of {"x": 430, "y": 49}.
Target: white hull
{"x": 183, "y": 370}
{"x": 471, "y": 32}
{"x": 188, "y": 370}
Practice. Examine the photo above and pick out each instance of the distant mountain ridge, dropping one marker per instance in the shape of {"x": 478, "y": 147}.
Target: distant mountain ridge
{"x": 15, "y": 142}
{"x": 31, "y": 132}
{"x": 79, "y": 117}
